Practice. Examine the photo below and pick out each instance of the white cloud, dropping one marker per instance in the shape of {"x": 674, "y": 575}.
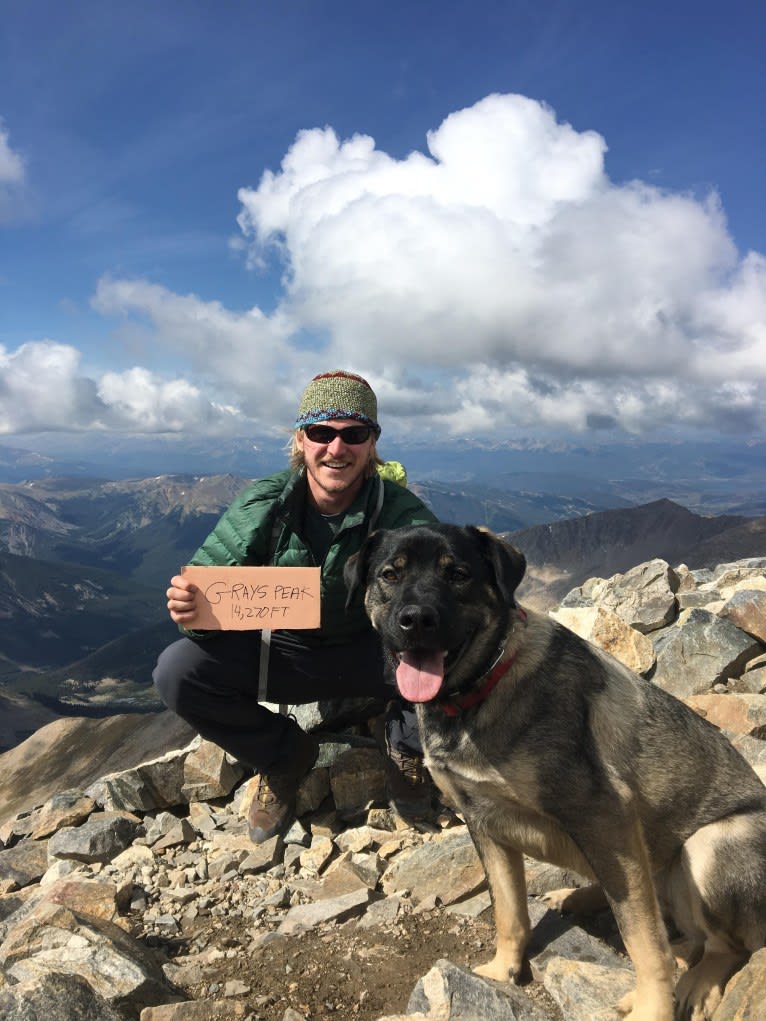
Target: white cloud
{"x": 505, "y": 261}
{"x": 244, "y": 356}
{"x": 496, "y": 283}
{"x": 42, "y": 387}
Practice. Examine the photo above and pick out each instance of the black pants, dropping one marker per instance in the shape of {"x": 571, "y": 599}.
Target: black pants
{"x": 213, "y": 685}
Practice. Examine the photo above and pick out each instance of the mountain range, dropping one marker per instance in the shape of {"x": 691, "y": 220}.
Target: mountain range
{"x": 722, "y": 476}
{"x": 84, "y": 564}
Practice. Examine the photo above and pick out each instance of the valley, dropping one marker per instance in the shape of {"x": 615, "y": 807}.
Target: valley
{"x": 84, "y": 563}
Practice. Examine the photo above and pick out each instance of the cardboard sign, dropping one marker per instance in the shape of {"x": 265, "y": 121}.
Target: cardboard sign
{"x": 252, "y": 598}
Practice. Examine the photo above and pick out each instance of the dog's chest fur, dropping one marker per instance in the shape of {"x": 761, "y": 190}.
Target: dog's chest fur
{"x": 499, "y": 796}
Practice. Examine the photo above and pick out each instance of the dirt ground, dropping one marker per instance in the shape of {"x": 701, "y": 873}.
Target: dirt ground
{"x": 344, "y": 972}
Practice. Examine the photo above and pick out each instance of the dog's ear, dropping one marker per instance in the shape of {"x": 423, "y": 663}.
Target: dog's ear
{"x": 358, "y": 564}
{"x": 507, "y": 563}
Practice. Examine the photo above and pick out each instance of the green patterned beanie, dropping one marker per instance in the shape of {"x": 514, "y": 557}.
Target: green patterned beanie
{"x": 339, "y": 394}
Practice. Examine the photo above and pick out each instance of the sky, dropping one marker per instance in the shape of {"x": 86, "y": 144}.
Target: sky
{"x": 516, "y": 219}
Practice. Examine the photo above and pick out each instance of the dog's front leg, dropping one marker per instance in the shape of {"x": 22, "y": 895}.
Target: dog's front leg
{"x": 507, "y": 886}
{"x": 623, "y": 869}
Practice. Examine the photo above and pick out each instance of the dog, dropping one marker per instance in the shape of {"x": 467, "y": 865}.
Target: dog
{"x": 549, "y": 747}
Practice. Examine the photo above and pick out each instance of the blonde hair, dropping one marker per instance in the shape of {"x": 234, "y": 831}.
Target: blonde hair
{"x": 297, "y": 460}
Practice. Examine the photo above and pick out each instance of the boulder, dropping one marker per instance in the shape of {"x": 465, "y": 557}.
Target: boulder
{"x": 610, "y": 632}
{"x": 454, "y": 994}
{"x": 446, "y": 871}
{"x": 643, "y": 597}
{"x": 746, "y": 609}
{"x": 99, "y": 839}
{"x": 734, "y": 713}
{"x": 58, "y": 939}
{"x": 55, "y": 997}
{"x": 700, "y": 650}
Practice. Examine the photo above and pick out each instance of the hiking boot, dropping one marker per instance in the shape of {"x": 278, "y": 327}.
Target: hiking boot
{"x": 409, "y": 787}
{"x": 273, "y": 806}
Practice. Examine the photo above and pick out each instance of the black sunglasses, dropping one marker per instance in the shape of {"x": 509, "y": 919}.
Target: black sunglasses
{"x": 351, "y": 434}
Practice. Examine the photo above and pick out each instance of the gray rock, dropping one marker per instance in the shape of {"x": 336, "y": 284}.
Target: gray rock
{"x": 338, "y": 909}
{"x": 448, "y": 870}
{"x": 57, "y": 939}
{"x": 25, "y": 863}
{"x": 178, "y": 832}
{"x": 586, "y": 990}
{"x": 752, "y": 682}
{"x": 69, "y": 808}
{"x": 452, "y": 994}
{"x": 697, "y": 597}
{"x": 357, "y": 780}
{"x": 701, "y": 650}
{"x": 145, "y": 788}
{"x": 472, "y": 907}
{"x": 556, "y": 936}
{"x": 101, "y": 838}
{"x": 262, "y": 857}
{"x": 726, "y": 575}
{"x": 747, "y": 610}
{"x": 643, "y": 597}
{"x": 209, "y": 773}
{"x": 733, "y": 713}
{"x": 197, "y": 1010}
{"x": 333, "y": 714}
{"x": 55, "y": 997}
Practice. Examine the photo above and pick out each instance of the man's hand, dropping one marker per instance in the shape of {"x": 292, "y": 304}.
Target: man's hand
{"x": 182, "y": 601}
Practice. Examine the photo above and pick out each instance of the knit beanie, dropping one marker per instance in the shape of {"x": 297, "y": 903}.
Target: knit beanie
{"x": 338, "y": 394}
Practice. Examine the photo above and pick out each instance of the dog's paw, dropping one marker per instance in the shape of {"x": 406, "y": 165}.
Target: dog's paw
{"x": 696, "y": 1001}
{"x": 625, "y": 1005}
{"x": 634, "y": 1009}
{"x": 499, "y": 971}
{"x": 578, "y": 900}
{"x": 559, "y": 900}
{"x": 700, "y": 990}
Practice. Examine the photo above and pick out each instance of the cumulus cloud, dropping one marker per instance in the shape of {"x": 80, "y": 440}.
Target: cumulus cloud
{"x": 505, "y": 265}
{"x": 245, "y": 356}
{"x": 496, "y": 282}
{"x": 42, "y": 388}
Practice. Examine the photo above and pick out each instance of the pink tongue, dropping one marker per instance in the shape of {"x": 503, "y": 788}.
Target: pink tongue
{"x": 420, "y": 675}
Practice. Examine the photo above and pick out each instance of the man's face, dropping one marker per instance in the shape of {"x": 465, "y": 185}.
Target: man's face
{"x": 336, "y": 471}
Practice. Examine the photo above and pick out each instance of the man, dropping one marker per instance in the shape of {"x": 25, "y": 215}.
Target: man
{"x": 316, "y": 513}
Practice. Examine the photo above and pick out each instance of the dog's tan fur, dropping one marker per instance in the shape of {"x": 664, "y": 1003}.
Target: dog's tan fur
{"x": 574, "y": 760}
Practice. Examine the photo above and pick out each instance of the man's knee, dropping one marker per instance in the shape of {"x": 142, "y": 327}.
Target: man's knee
{"x": 170, "y": 673}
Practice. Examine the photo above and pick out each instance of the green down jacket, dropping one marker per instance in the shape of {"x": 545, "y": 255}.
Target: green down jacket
{"x": 264, "y": 525}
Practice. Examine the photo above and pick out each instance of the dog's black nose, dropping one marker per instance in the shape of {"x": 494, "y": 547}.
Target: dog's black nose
{"x": 420, "y": 619}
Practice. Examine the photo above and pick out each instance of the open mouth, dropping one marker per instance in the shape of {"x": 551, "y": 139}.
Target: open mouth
{"x": 420, "y": 673}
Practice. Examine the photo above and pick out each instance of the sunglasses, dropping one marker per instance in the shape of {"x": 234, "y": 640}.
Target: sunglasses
{"x": 351, "y": 434}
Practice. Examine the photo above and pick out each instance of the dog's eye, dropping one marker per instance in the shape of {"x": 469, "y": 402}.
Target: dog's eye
{"x": 388, "y": 574}
{"x": 459, "y": 574}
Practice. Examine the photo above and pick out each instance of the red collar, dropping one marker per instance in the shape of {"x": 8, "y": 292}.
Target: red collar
{"x": 458, "y": 703}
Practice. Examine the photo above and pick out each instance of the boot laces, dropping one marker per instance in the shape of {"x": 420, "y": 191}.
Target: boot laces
{"x": 265, "y": 795}
{"x": 410, "y": 766}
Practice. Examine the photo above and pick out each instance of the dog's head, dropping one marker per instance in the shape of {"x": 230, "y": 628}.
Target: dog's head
{"x": 439, "y": 596}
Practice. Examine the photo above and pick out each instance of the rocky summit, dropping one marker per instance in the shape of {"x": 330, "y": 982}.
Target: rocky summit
{"x": 129, "y": 890}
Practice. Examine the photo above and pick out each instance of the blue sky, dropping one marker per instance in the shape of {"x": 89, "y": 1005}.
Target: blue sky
{"x": 550, "y": 213}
